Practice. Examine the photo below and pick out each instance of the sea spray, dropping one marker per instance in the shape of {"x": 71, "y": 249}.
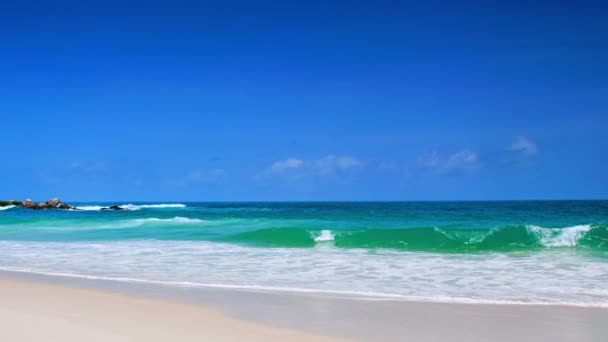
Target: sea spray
{"x": 324, "y": 236}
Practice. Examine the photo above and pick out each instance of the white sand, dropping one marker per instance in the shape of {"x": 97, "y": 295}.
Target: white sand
{"x": 41, "y": 312}
{"x": 53, "y": 310}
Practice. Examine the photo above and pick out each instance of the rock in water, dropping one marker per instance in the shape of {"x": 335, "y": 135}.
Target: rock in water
{"x": 113, "y": 207}
{"x": 54, "y": 203}
{"x": 57, "y": 203}
{"x": 28, "y": 204}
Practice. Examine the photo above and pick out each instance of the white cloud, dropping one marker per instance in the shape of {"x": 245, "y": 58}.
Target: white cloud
{"x": 464, "y": 159}
{"x": 347, "y": 162}
{"x": 523, "y": 146}
{"x": 282, "y": 165}
{"x": 460, "y": 159}
{"x": 324, "y": 166}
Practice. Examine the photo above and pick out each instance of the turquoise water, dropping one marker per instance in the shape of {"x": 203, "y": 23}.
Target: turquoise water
{"x": 513, "y": 252}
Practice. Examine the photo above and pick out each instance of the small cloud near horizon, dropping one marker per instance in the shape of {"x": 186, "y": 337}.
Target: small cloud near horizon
{"x": 458, "y": 161}
{"x": 282, "y": 165}
{"x": 324, "y": 166}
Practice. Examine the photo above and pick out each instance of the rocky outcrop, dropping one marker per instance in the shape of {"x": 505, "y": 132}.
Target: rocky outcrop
{"x": 28, "y": 204}
{"x": 57, "y": 204}
{"x": 53, "y": 203}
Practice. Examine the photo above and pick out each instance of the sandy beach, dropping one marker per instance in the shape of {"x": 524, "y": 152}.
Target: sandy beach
{"x": 41, "y": 312}
{"x": 62, "y": 311}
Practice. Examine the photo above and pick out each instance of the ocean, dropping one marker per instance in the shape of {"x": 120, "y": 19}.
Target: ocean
{"x": 510, "y": 252}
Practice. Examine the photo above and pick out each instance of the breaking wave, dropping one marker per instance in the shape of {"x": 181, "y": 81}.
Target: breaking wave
{"x": 513, "y": 238}
{"x": 325, "y": 235}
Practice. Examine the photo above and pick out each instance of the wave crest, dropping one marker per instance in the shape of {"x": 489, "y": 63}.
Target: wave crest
{"x": 325, "y": 235}
{"x": 560, "y": 237}
{"x": 429, "y": 239}
{"x": 176, "y": 219}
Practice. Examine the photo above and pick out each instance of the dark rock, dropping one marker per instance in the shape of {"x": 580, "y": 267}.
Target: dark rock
{"x": 113, "y": 207}
{"x": 58, "y": 204}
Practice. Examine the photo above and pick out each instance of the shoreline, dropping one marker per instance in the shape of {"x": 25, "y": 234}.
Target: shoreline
{"x": 275, "y": 316}
{"x": 273, "y": 290}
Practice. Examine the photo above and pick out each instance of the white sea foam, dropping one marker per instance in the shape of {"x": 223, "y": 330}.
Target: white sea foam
{"x": 90, "y": 207}
{"x": 560, "y": 237}
{"x": 152, "y": 206}
{"x": 326, "y": 235}
{"x": 7, "y": 207}
{"x": 133, "y": 206}
{"x": 552, "y": 277}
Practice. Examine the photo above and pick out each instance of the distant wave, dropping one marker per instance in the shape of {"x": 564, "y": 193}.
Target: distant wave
{"x": 133, "y": 206}
{"x": 133, "y": 223}
{"x": 152, "y": 206}
{"x": 7, "y": 207}
{"x": 176, "y": 219}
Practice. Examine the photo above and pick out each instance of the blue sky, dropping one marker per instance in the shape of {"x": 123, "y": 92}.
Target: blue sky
{"x": 278, "y": 100}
